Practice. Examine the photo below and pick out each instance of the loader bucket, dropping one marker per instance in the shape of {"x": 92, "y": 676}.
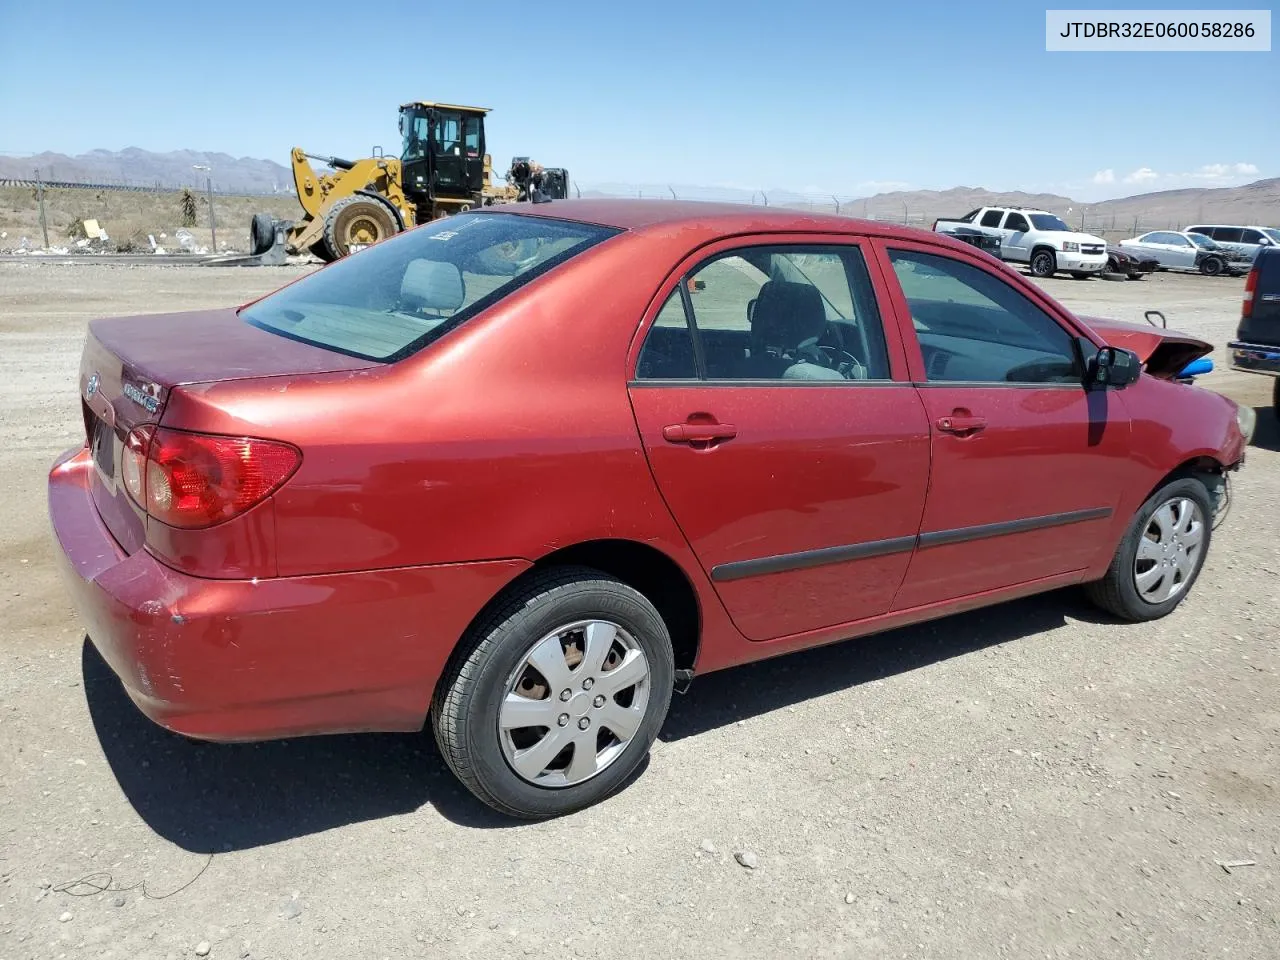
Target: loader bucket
{"x": 268, "y": 245}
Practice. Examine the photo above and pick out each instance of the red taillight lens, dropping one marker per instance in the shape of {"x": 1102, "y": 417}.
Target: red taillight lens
{"x": 194, "y": 480}
{"x": 1250, "y": 285}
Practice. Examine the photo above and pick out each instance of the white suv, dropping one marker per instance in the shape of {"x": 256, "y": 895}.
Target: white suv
{"x": 1037, "y": 238}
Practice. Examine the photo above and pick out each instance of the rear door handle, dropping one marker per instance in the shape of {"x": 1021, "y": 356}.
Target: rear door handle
{"x": 961, "y": 425}
{"x": 698, "y": 432}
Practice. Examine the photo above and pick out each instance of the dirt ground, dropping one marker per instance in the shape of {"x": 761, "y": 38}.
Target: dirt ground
{"x": 1025, "y": 781}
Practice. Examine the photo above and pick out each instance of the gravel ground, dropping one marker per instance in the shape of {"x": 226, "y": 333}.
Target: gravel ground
{"x": 1025, "y": 781}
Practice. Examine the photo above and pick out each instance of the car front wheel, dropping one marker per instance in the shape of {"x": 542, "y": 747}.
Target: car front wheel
{"x": 1161, "y": 554}
{"x": 1044, "y": 263}
{"x": 557, "y": 695}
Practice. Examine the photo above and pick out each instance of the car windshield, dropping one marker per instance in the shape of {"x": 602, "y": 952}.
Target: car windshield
{"x": 1273, "y": 233}
{"x": 1047, "y": 221}
{"x": 1203, "y": 242}
{"x": 397, "y": 296}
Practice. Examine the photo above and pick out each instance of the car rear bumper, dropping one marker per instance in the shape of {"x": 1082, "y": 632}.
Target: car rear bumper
{"x": 258, "y": 659}
{"x": 1254, "y": 358}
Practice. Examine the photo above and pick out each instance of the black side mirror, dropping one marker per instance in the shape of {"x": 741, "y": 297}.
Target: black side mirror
{"x": 1114, "y": 367}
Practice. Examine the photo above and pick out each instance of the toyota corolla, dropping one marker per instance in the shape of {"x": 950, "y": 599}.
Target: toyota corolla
{"x": 518, "y": 473}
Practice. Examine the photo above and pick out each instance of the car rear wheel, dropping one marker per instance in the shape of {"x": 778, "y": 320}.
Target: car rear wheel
{"x": 1161, "y": 554}
{"x": 1044, "y": 263}
{"x": 556, "y": 695}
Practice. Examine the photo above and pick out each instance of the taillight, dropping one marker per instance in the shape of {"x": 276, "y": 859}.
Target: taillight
{"x": 133, "y": 463}
{"x": 195, "y": 480}
{"x": 1250, "y": 285}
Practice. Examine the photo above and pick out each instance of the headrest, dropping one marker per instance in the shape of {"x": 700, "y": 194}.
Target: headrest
{"x": 432, "y": 285}
{"x": 787, "y": 314}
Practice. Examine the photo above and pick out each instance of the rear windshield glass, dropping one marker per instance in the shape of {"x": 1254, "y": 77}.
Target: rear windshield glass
{"x": 394, "y": 298}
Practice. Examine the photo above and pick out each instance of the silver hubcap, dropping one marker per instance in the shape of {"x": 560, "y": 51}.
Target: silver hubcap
{"x": 573, "y": 704}
{"x": 1169, "y": 550}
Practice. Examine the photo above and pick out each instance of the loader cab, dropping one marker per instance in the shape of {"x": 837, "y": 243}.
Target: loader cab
{"x": 443, "y": 150}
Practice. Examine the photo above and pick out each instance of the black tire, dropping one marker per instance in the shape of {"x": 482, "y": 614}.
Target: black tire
{"x": 1212, "y": 266}
{"x": 1117, "y": 592}
{"x": 262, "y": 232}
{"x": 357, "y": 219}
{"x": 1044, "y": 263}
{"x": 465, "y": 708}
{"x": 1108, "y": 275}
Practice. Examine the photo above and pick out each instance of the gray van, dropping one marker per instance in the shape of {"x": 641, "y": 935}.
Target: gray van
{"x": 1246, "y": 240}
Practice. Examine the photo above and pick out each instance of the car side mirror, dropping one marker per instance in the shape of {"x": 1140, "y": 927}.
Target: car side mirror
{"x": 1114, "y": 367}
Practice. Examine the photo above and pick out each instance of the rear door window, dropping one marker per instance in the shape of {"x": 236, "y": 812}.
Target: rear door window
{"x": 772, "y": 313}
{"x": 1230, "y": 235}
{"x": 395, "y": 297}
{"x": 992, "y": 218}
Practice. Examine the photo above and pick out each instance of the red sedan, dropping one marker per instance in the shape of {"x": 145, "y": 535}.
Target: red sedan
{"x": 524, "y": 470}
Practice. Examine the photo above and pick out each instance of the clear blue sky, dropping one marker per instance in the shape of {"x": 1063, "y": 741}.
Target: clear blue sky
{"x": 815, "y": 97}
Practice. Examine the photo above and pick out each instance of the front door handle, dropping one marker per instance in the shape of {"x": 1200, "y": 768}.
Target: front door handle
{"x": 961, "y": 425}
{"x": 698, "y": 432}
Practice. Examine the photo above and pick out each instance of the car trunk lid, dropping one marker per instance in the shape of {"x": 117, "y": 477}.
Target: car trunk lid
{"x": 130, "y": 365}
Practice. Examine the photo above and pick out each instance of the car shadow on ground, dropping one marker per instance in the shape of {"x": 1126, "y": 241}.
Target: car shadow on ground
{"x": 728, "y": 696}
{"x": 212, "y": 798}
{"x": 1266, "y": 435}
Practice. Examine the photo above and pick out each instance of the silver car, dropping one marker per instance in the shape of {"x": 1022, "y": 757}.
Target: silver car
{"x": 1184, "y": 250}
{"x": 1246, "y": 240}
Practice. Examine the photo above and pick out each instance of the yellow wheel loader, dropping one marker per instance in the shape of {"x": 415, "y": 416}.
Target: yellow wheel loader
{"x": 442, "y": 169}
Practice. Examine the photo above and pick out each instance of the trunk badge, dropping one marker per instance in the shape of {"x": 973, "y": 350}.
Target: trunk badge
{"x": 144, "y": 397}
{"x": 92, "y": 388}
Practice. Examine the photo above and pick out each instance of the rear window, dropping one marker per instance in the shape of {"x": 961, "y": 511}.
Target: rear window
{"x": 396, "y": 297}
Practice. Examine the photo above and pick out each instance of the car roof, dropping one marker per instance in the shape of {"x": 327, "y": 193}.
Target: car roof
{"x": 641, "y": 215}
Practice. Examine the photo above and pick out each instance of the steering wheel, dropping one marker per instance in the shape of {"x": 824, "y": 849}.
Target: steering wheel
{"x": 837, "y": 358}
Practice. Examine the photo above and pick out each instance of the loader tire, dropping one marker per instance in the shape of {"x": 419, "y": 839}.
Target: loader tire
{"x": 357, "y": 222}
{"x": 262, "y": 231}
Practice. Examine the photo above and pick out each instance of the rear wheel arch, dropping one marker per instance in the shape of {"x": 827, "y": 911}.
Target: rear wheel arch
{"x": 649, "y": 571}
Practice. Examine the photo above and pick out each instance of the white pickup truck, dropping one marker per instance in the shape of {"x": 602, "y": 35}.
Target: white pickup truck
{"x": 1037, "y": 238}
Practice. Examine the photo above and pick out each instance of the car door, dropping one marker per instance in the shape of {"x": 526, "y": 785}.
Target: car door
{"x": 782, "y": 430}
{"x": 1027, "y": 464}
{"x": 1016, "y": 230}
{"x": 1172, "y": 249}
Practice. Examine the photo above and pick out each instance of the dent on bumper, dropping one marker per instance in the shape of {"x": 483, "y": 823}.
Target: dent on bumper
{"x": 253, "y": 659}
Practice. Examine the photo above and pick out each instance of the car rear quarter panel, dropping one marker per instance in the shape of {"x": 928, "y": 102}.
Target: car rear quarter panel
{"x": 511, "y": 437}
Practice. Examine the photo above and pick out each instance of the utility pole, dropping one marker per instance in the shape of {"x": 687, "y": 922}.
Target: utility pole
{"x": 208, "y": 186}
{"x": 44, "y": 225}
{"x": 837, "y": 202}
